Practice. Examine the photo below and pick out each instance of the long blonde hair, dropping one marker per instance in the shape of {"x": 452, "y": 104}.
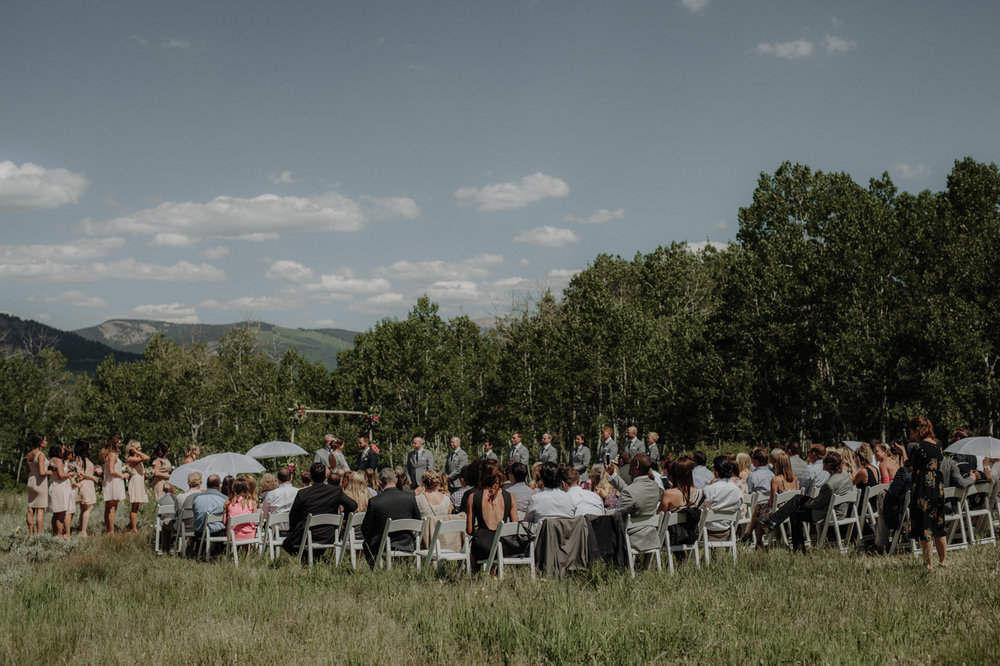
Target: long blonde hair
{"x": 111, "y": 447}
{"x": 356, "y": 488}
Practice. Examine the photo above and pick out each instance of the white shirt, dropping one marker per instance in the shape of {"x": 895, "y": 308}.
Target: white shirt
{"x": 550, "y": 503}
{"x": 585, "y": 502}
{"x": 702, "y": 476}
{"x": 721, "y": 495}
{"x": 278, "y": 500}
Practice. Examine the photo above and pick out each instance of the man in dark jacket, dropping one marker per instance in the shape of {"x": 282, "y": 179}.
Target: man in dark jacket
{"x": 318, "y": 498}
{"x": 390, "y": 503}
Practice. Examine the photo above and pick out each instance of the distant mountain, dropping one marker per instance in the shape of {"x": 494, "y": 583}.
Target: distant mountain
{"x": 132, "y": 335}
{"x": 82, "y": 354}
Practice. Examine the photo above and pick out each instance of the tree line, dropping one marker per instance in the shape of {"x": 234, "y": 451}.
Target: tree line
{"x": 837, "y": 313}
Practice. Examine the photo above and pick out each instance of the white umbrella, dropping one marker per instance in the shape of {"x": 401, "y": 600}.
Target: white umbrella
{"x": 987, "y": 447}
{"x": 223, "y": 464}
{"x": 852, "y": 445}
{"x": 276, "y": 449}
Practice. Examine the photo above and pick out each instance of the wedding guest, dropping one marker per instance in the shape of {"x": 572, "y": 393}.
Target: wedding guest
{"x": 38, "y": 484}
{"x": 161, "y": 471}
{"x": 518, "y": 489}
{"x": 923, "y": 461}
{"x": 136, "y": 481}
{"x": 702, "y": 474}
{"x": 62, "y": 495}
{"x": 433, "y": 501}
{"x": 86, "y": 473}
{"x": 486, "y": 508}
{"x": 192, "y": 453}
{"x": 243, "y": 502}
{"x": 888, "y": 463}
{"x": 280, "y": 499}
{"x": 371, "y": 479}
{"x": 683, "y": 494}
{"x": 783, "y": 481}
{"x": 113, "y": 487}
{"x": 599, "y": 482}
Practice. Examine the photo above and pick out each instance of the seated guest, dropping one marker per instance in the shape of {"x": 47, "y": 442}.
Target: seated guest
{"x": 891, "y": 515}
{"x": 745, "y": 465}
{"x": 279, "y": 500}
{"x": 815, "y": 474}
{"x": 814, "y": 510}
{"x": 683, "y": 494}
{"x": 722, "y": 495}
{"x": 783, "y": 481}
{"x": 585, "y": 502}
{"x": 268, "y": 482}
{"x": 316, "y": 499}
{"x": 551, "y": 501}
{"x": 598, "y": 482}
{"x": 866, "y": 475}
{"x": 433, "y": 501}
{"x": 393, "y": 503}
{"x": 759, "y": 480}
{"x": 243, "y": 502}
{"x": 485, "y": 508}
{"x": 702, "y": 474}
{"x": 794, "y": 451}
{"x": 469, "y": 479}
{"x": 183, "y": 500}
{"x": 210, "y": 502}
{"x": 517, "y": 472}
{"x": 640, "y": 499}
{"x": 888, "y": 463}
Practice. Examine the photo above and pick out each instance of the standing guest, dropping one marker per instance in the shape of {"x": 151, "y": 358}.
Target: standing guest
{"x": 579, "y": 456}
{"x": 634, "y": 445}
{"x": 888, "y": 463}
{"x": 62, "y": 496}
{"x": 927, "y": 498}
{"x": 653, "y": 448}
{"x": 191, "y": 454}
{"x": 518, "y": 489}
{"x": 86, "y": 473}
{"x": 585, "y": 502}
{"x": 161, "y": 471}
{"x": 453, "y": 464}
{"x": 371, "y": 479}
{"x": 390, "y": 503}
{"x": 608, "y": 451}
{"x": 337, "y": 460}
{"x": 136, "y": 482}
{"x": 488, "y": 453}
{"x": 486, "y": 508}
{"x": 281, "y": 498}
{"x": 38, "y": 484}
{"x": 367, "y": 458}
{"x": 548, "y": 452}
{"x": 323, "y": 453}
{"x": 242, "y": 502}
{"x": 759, "y": 480}
{"x": 113, "y": 487}
{"x": 210, "y": 502}
{"x": 434, "y": 501}
{"x": 517, "y": 452}
{"x": 794, "y": 451}
{"x": 815, "y": 474}
{"x": 418, "y": 461}
{"x": 702, "y": 474}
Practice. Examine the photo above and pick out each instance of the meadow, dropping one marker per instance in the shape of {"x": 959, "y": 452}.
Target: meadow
{"x": 112, "y": 600}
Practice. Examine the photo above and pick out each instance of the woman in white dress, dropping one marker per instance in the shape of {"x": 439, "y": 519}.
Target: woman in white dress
{"x": 114, "y": 481}
{"x": 62, "y": 495}
{"x": 338, "y": 462}
{"x": 136, "y": 481}
{"x": 38, "y": 485}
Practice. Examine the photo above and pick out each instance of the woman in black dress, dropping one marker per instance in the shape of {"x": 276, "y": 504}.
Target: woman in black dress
{"x": 486, "y": 508}
{"x": 927, "y": 496}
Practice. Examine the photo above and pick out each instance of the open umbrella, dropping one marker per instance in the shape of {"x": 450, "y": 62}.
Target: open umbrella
{"x": 987, "y": 447}
{"x": 852, "y": 445}
{"x": 276, "y": 449}
{"x": 223, "y": 464}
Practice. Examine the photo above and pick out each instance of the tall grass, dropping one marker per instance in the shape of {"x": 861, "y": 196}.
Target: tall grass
{"x": 111, "y": 600}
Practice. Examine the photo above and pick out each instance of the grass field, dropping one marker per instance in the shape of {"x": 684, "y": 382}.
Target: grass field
{"x": 111, "y": 600}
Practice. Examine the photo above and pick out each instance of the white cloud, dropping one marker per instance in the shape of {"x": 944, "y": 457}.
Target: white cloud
{"x": 176, "y": 313}
{"x": 835, "y": 45}
{"x": 547, "y": 237}
{"x": 254, "y": 303}
{"x": 261, "y": 218}
{"x": 139, "y": 40}
{"x": 182, "y": 271}
{"x": 171, "y": 240}
{"x": 389, "y": 298}
{"x": 324, "y": 323}
{"x": 524, "y": 261}
{"x": 73, "y": 297}
{"x": 289, "y": 271}
{"x": 800, "y": 48}
{"x": 511, "y": 195}
{"x": 175, "y": 43}
{"x": 694, "y": 6}
{"x": 210, "y": 303}
{"x": 720, "y": 225}
{"x": 349, "y": 285}
{"x": 33, "y": 187}
{"x": 217, "y": 252}
{"x": 701, "y": 245}
{"x": 907, "y": 171}
{"x": 283, "y": 178}
{"x": 563, "y": 273}
{"x": 454, "y": 290}
{"x": 601, "y": 216}
{"x": 511, "y": 282}
{"x": 81, "y": 250}
{"x": 478, "y": 266}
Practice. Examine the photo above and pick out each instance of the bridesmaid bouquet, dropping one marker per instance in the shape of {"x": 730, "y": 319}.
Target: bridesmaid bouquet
{"x": 98, "y": 470}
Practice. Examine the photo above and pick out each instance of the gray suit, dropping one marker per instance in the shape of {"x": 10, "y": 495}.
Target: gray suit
{"x": 418, "y": 462}
{"x": 579, "y": 458}
{"x": 608, "y": 448}
{"x": 453, "y": 465}
{"x": 640, "y": 499}
{"x": 837, "y": 484}
{"x": 519, "y": 454}
{"x": 489, "y": 455}
{"x": 548, "y": 454}
{"x": 634, "y": 447}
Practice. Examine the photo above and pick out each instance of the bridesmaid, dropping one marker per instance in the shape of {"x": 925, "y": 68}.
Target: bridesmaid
{"x": 192, "y": 454}
{"x": 61, "y": 494}
{"x": 38, "y": 485}
{"x": 161, "y": 471}
{"x": 86, "y": 473}
{"x": 136, "y": 482}
{"x": 114, "y": 481}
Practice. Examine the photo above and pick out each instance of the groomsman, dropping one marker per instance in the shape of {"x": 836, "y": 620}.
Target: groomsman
{"x": 634, "y": 446}
{"x": 652, "y": 448}
{"x": 488, "y": 453}
{"x": 548, "y": 452}
{"x": 608, "y": 452}
{"x": 579, "y": 457}
{"x": 518, "y": 452}
{"x": 418, "y": 461}
{"x": 453, "y": 464}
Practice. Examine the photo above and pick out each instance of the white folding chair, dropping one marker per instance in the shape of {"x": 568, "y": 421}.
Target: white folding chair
{"x": 850, "y": 519}
{"x": 256, "y": 540}
{"x": 163, "y": 511}
{"x": 978, "y": 520}
{"x": 434, "y": 553}
{"x": 633, "y": 526}
{"x": 871, "y": 506}
{"x": 713, "y": 516}
{"x": 677, "y": 518}
{"x": 206, "y": 534}
{"x": 345, "y": 538}
{"x": 272, "y": 532}
{"x": 955, "y": 521}
{"x": 750, "y": 501}
{"x": 354, "y": 545}
{"x": 319, "y": 520}
{"x": 183, "y": 532}
{"x": 387, "y": 552}
{"x": 496, "y": 550}
{"x": 904, "y": 525}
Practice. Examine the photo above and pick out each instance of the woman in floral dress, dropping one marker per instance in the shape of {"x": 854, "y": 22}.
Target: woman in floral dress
{"x": 927, "y": 496}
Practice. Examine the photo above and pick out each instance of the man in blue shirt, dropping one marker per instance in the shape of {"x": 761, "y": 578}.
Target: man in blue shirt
{"x": 760, "y": 477}
{"x": 209, "y": 502}
{"x": 814, "y": 475}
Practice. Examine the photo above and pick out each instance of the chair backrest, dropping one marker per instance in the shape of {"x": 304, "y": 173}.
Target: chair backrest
{"x": 955, "y": 492}
{"x": 674, "y": 518}
{"x": 278, "y": 518}
{"x": 715, "y": 515}
{"x": 450, "y": 526}
{"x": 647, "y": 521}
{"x": 781, "y": 498}
{"x": 983, "y": 488}
{"x": 164, "y": 510}
{"x": 244, "y": 519}
{"x": 405, "y": 525}
{"x": 844, "y": 497}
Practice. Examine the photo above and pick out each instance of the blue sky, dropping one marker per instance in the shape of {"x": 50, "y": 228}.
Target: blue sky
{"x": 322, "y": 164}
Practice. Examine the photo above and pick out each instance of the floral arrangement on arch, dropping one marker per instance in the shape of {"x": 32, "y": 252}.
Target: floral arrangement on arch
{"x": 299, "y": 413}
{"x": 372, "y": 419}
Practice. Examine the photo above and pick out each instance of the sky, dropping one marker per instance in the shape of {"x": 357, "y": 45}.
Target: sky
{"x": 323, "y": 164}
